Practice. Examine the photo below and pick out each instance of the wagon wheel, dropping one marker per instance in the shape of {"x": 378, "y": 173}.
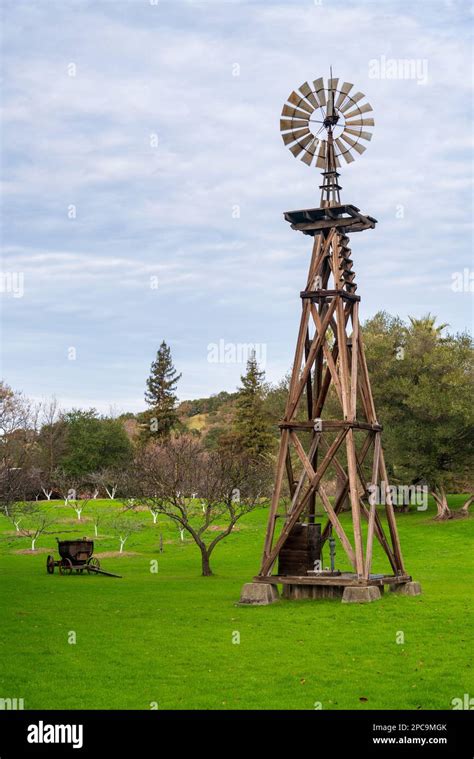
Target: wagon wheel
{"x": 65, "y": 567}
{"x": 50, "y": 564}
{"x": 93, "y": 563}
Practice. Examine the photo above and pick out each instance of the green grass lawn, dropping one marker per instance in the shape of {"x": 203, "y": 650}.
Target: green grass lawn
{"x": 168, "y": 637}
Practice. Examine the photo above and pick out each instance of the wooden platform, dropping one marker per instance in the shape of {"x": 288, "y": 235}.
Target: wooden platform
{"x": 310, "y": 221}
{"x": 343, "y": 580}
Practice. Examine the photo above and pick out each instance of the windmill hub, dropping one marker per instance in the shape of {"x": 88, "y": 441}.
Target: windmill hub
{"x": 331, "y": 121}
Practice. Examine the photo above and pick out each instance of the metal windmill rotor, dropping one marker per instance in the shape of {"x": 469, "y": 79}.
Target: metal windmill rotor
{"x": 321, "y": 123}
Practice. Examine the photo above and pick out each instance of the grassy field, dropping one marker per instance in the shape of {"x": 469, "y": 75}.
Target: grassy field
{"x": 166, "y": 638}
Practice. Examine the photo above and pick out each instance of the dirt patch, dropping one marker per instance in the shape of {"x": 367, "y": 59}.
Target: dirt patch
{"x": 71, "y": 520}
{"x": 29, "y": 552}
{"x": 221, "y": 528}
{"x": 115, "y": 554}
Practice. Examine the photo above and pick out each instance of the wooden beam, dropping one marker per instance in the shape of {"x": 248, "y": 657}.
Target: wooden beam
{"x": 354, "y": 359}
{"x": 344, "y": 491}
{"x": 343, "y": 358}
{"x": 373, "y": 508}
{"x": 317, "y": 341}
{"x": 342, "y": 580}
{"x": 392, "y": 524}
{"x": 298, "y": 352}
{"x": 298, "y": 509}
{"x": 366, "y": 380}
{"x": 326, "y": 502}
{"x": 289, "y": 473}
{"x": 337, "y": 525}
{"x": 331, "y": 424}
{"x": 276, "y": 491}
{"x": 327, "y": 355}
{"x": 316, "y": 259}
{"x": 354, "y": 497}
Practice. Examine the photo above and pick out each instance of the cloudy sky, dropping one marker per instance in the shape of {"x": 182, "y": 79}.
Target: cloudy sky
{"x": 145, "y": 180}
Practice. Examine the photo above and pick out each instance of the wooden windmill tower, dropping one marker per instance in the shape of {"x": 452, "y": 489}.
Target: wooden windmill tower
{"x": 322, "y": 124}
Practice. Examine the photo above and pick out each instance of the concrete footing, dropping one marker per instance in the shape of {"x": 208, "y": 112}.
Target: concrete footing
{"x": 364, "y": 594}
{"x": 258, "y": 594}
{"x": 406, "y": 589}
{"x": 314, "y": 592}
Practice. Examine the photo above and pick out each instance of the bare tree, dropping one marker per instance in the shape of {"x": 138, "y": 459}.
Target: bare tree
{"x": 155, "y": 511}
{"x": 230, "y": 484}
{"x": 99, "y": 515}
{"x": 124, "y": 526}
{"x": 17, "y": 485}
{"x": 75, "y": 492}
{"x": 15, "y": 514}
{"x": 79, "y": 500}
{"x": 35, "y": 521}
{"x": 109, "y": 480}
{"x": 66, "y": 485}
{"x": 51, "y": 440}
{"x": 47, "y": 492}
{"x": 18, "y": 477}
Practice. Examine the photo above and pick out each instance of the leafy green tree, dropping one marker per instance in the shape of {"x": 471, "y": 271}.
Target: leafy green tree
{"x": 251, "y": 422}
{"x": 160, "y": 394}
{"x": 422, "y": 381}
{"x": 93, "y": 443}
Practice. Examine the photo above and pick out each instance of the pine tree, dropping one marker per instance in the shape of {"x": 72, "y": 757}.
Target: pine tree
{"x": 160, "y": 393}
{"x": 250, "y": 420}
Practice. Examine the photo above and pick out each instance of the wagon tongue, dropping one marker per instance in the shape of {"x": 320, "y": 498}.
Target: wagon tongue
{"x": 103, "y": 572}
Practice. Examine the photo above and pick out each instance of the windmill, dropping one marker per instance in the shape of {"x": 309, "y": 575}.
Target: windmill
{"x": 324, "y": 125}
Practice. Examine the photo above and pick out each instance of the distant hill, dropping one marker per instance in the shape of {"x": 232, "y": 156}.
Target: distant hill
{"x": 209, "y": 416}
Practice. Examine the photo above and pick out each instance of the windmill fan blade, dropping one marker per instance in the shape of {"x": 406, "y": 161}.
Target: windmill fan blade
{"x": 296, "y": 149}
{"x": 314, "y": 146}
{"x": 286, "y": 124}
{"x": 363, "y": 109}
{"x": 320, "y": 92}
{"x": 301, "y": 144}
{"x": 310, "y": 152}
{"x": 348, "y": 157}
{"x": 360, "y": 122}
{"x": 355, "y": 145}
{"x": 292, "y": 136}
{"x": 358, "y": 133}
{"x": 287, "y": 111}
{"x": 332, "y": 86}
{"x": 308, "y": 93}
{"x": 321, "y": 159}
{"x": 345, "y": 152}
{"x": 300, "y": 102}
{"x": 352, "y": 100}
{"x": 359, "y": 148}
{"x": 346, "y": 87}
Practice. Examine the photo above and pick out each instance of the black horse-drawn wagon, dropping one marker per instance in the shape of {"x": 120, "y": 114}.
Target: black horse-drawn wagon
{"x": 77, "y": 555}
